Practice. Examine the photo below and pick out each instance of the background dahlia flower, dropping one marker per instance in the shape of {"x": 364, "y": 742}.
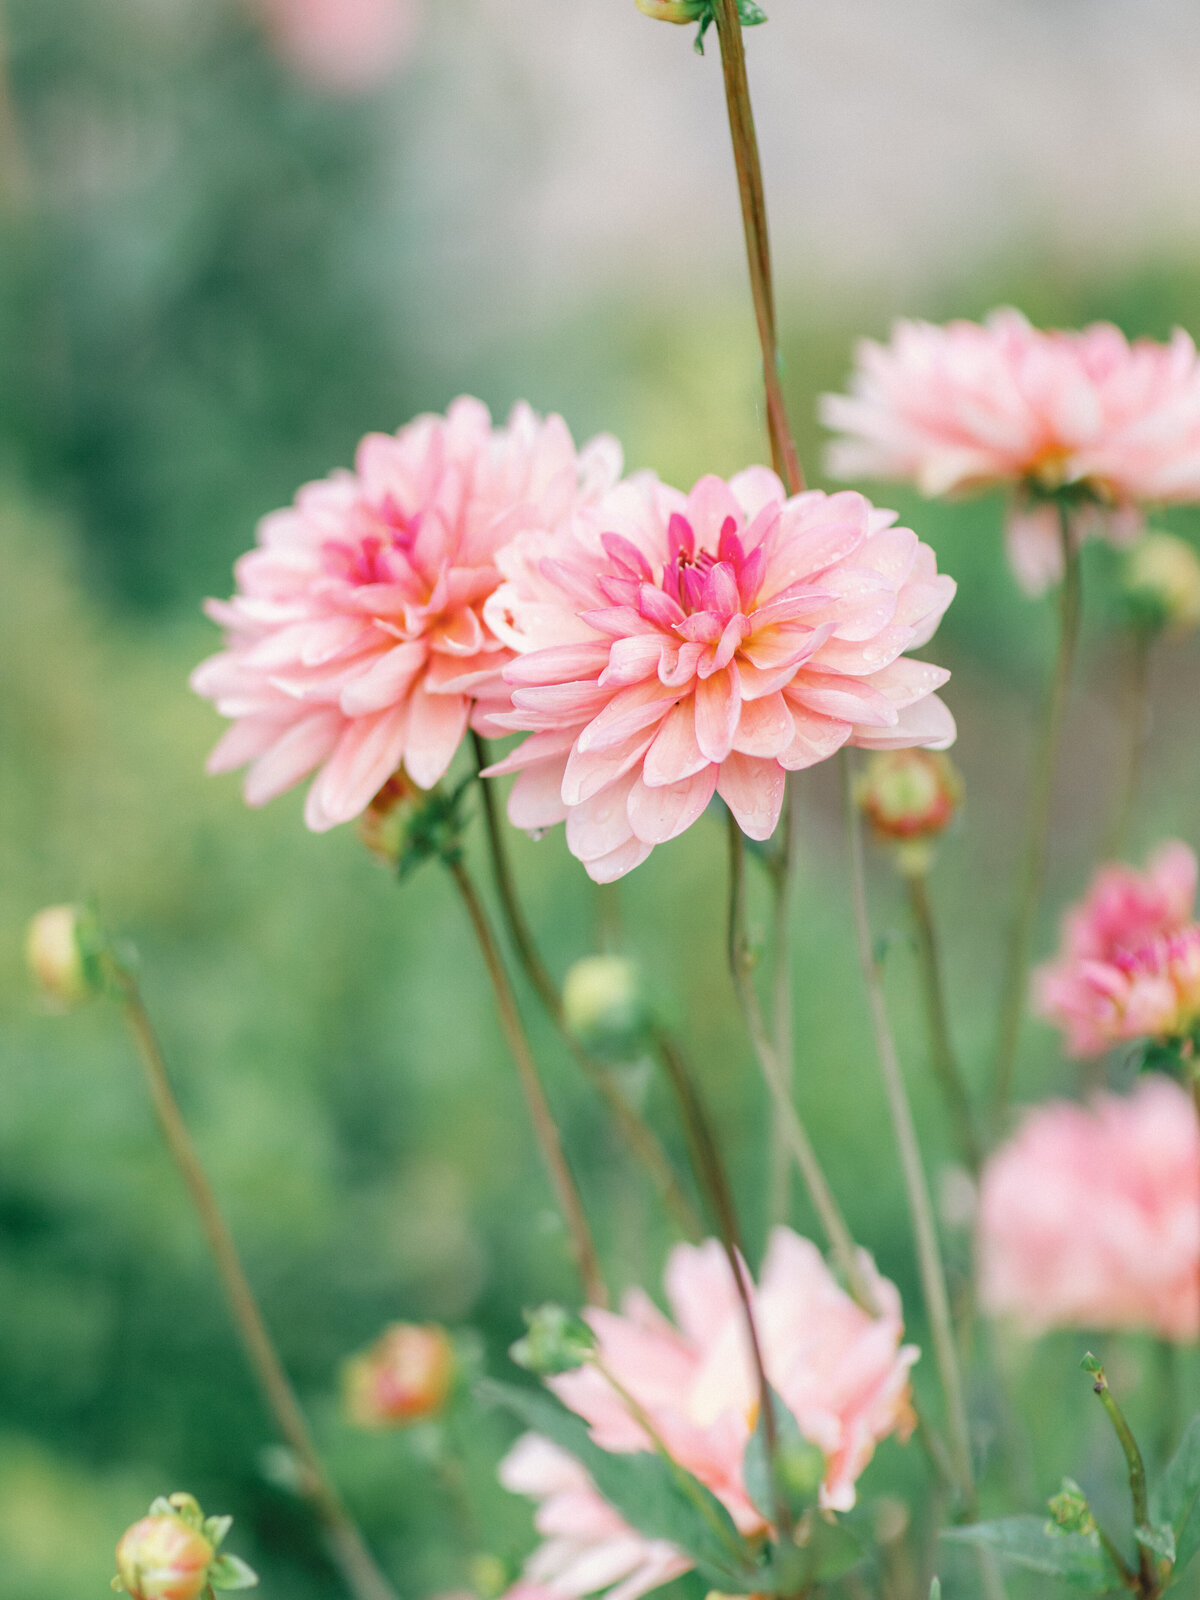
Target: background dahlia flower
{"x": 1129, "y": 959}
{"x": 1090, "y": 1216}
{"x": 843, "y": 1374}
{"x": 672, "y": 646}
{"x": 969, "y": 406}
{"x": 356, "y": 642}
{"x": 341, "y": 46}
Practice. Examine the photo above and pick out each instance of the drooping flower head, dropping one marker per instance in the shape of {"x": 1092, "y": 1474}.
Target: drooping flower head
{"x": 356, "y": 641}
{"x": 842, "y": 1372}
{"x": 672, "y": 646}
{"x": 968, "y": 406}
{"x": 1090, "y": 1216}
{"x": 1129, "y": 960}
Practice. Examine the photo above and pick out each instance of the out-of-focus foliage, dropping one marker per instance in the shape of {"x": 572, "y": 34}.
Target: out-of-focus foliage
{"x": 202, "y": 304}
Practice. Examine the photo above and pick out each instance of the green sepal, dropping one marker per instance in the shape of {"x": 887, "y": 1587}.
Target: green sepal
{"x": 435, "y": 830}
{"x": 749, "y": 15}
{"x": 557, "y": 1341}
{"x": 215, "y": 1529}
{"x": 1076, "y": 1558}
{"x": 231, "y": 1572}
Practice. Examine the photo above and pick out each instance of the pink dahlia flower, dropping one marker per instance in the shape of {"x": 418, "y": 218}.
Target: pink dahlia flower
{"x": 674, "y": 646}
{"x": 843, "y": 1374}
{"x": 341, "y": 46}
{"x": 1090, "y": 1216}
{"x": 356, "y": 640}
{"x": 969, "y": 406}
{"x": 1129, "y": 962}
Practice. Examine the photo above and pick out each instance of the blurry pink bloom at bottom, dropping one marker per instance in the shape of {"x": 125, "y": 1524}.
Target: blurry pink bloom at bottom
{"x": 341, "y": 45}
{"x": 1090, "y": 1216}
{"x": 843, "y": 1373}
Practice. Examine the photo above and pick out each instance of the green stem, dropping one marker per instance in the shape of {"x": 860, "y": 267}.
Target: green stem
{"x": 783, "y": 886}
{"x": 1148, "y": 1584}
{"x": 636, "y": 1132}
{"x": 754, "y": 225}
{"x": 1037, "y": 831}
{"x": 1137, "y": 720}
{"x": 347, "y": 1545}
{"x": 942, "y": 1054}
{"x": 929, "y": 1257}
{"x": 544, "y": 1126}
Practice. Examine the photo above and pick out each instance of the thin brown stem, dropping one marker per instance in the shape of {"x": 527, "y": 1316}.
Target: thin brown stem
{"x": 783, "y": 887}
{"x": 754, "y": 224}
{"x": 942, "y": 1055}
{"x": 636, "y": 1132}
{"x": 544, "y": 1126}
{"x": 347, "y": 1545}
{"x": 929, "y": 1255}
{"x": 1137, "y": 729}
{"x": 1037, "y": 829}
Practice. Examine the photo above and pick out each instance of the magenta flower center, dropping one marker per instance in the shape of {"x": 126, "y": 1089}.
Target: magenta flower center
{"x": 379, "y": 548}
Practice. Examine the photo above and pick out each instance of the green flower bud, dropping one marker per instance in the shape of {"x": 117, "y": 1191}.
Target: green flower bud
{"x": 557, "y": 1341}
{"x": 1162, "y": 583}
{"x": 62, "y": 952}
{"x": 603, "y": 1005}
{"x": 1070, "y": 1509}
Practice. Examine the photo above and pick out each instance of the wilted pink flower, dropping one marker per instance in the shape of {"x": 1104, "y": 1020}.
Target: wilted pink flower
{"x": 672, "y": 646}
{"x": 1129, "y": 962}
{"x": 969, "y": 406}
{"x": 1090, "y": 1216}
{"x": 842, "y": 1373}
{"x": 342, "y": 46}
{"x": 356, "y": 641}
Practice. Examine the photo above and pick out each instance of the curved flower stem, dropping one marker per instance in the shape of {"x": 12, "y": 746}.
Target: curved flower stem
{"x": 347, "y": 1545}
{"x": 1137, "y": 696}
{"x": 792, "y": 1129}
{"x": 783, "y": 885}
{"x": 754, "y": 223}
{"x": 1148, "y": 1584}
{"x": 929, "y": 1258}
{"x": 1037, "y": 835}
{"x": 544, "y": 1126}
{"x": 941, "y": 1048}
{"x": 636, "y": 1132}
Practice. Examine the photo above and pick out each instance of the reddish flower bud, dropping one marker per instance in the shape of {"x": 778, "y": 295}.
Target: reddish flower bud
{"x": 680, "y": 11}
{"x": 383, "y": 824}
{"x": 59, "y": 951}
{"x": 404, "y": 1377}
{"x": 164, "y": 1558}
{"x": 909, "y": 794}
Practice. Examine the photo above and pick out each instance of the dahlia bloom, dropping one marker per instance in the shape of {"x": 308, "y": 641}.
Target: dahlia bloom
{"x": 970, "y": 406}
{"x": 341, "y": 46}
{"x": 356, "y": 641}
{"x": 1129, "y": 962}
{"x": 1090, "y": 1216}
{"x": 674, "y": 646}
{"x": 843, "y": 1374}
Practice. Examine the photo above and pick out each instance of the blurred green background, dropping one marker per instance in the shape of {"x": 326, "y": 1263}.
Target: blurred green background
{"x": 213, "y": 279}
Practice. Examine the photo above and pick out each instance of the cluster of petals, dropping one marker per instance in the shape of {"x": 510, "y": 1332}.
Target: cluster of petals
{"x": 356, "y": 642}
{"x": 1129, "y": 960}
{"x": 842, "y": 1372}
{"x": 341, "y": 46}
{"x": 674, "y": 646}
{"x": 1090, "y": 1216}
{"x": 971, "y": 405}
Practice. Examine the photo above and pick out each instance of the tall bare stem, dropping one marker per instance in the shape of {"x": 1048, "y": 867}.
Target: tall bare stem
{"x": 346, "y": 1544}
{"x": 783, "y": 886}
{"x": 929, "y": 1256}
{"x": 1037, "y": 829}
{"x": 1137, "y": 727}
{"x": 636, "y": 1132}
{"x": 544, "y": 1126}
{"x": 754, "y": 224}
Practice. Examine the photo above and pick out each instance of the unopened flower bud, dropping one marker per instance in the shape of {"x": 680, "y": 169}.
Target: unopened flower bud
{"x": 404, "y": 1377}
{"x": 60, "y": 948}
{"x": 557, "y": 1341}
{"x": 680, "y": 11}
{"x": 603, "y": 1005}
{"x": 163, "y": 1558}
{"x": 1070, "y": 1510}
{"x": 1162, "y": 583}
{"x": 909, "y": 795}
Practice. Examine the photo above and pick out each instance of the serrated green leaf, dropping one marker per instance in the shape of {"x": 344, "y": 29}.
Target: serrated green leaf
{"x": 231, "y": 1572}
{"x": 656, "y": 1497}
{"x": 1032, "y": 1542}
{"x": 1174, "y": 1498}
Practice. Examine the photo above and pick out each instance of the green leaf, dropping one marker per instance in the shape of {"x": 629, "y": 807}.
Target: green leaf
{"x": 799, "y": 1466}
{"x": 1033, "y": 1542}
{"x": 215, "y": 1529}
{"x": 656, "y": 1497}
{"x": 231, "y": 1572}
{"x": 1174, "y": 1498}
{"x": 1160, "y": 1539}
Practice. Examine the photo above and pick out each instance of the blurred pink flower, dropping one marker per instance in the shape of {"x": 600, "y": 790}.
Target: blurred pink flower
{"x": 1090, "y": 1216}
{"x": 1129, "y": 961}
{"x": 356, "y": 639}
{"x": 843, "y": 1374}
{"x": 341, "y": 46}
{"x": 969, "y": 405}
{"x": 671, "y": 646}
